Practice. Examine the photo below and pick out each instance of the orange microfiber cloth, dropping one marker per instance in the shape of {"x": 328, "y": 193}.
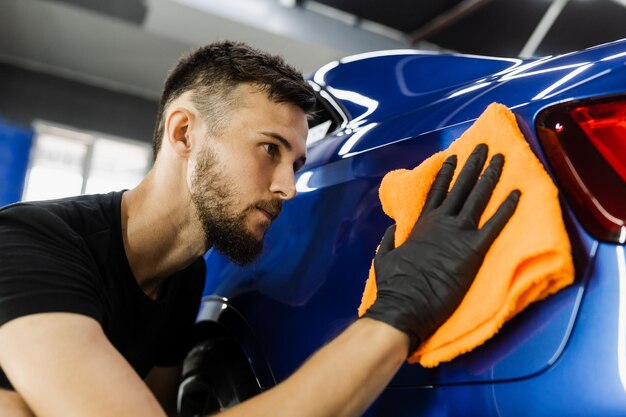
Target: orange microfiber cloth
{"x": 528, "y": 261}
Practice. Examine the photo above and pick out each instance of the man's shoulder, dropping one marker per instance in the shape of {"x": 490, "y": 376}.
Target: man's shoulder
{"x": 31, "y": 218}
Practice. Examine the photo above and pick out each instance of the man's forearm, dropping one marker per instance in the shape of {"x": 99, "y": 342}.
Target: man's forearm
{"x": 340, "y": 380}
{"x": 12, "y": 405}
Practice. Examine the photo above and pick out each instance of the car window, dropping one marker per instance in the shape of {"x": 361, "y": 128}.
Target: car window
{"x": 325, "y": 119}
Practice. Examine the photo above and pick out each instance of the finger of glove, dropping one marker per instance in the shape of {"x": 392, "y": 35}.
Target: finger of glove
{"x": 387, "y": 242}
{"x": 496, "y": 223}
{"x": 439, "y": 190}
{"x": 466, "y": 180}
{"x": 480, "y": 195}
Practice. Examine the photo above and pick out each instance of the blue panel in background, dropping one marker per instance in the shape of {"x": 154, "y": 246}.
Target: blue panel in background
{"x": 15, "y": 145}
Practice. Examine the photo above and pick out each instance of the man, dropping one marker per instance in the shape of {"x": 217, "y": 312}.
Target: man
{"x": 98, "y": 294}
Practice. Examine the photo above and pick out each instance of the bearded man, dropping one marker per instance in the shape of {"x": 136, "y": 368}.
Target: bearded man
{"x": 99, "y": 293}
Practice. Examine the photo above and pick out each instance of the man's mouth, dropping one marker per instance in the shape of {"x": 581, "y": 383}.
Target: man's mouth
{"x": 270, "y": 208}
{"x": 269, "y": 214}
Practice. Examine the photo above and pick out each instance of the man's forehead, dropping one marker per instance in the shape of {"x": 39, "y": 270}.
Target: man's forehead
{"x": 249, "y": 105}
{"x": 279, "y": 119}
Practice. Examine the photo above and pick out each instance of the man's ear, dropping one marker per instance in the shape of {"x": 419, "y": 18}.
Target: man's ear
{"x": 179, "y": 123}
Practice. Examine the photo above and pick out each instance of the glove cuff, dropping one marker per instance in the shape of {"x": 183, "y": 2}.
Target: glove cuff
{"x": 398, "y": 323}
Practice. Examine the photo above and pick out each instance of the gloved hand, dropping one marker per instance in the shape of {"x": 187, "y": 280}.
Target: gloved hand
{"x": 423, "y": 281}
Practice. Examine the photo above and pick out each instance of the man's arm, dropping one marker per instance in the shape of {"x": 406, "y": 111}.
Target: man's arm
{"x": 63, "y": 365}
{"x": 342, "y": 379}
{"x": 163, "y": 382}
{"x": 12, "y": 404}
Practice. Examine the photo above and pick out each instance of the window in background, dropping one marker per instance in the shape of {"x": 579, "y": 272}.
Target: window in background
{"x": 66, "y": 162}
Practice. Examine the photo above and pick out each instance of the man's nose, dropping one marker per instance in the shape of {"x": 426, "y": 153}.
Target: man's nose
{"x": 284, "y": 183}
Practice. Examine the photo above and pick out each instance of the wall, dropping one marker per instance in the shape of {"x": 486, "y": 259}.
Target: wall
{"x": 27, "y": 95}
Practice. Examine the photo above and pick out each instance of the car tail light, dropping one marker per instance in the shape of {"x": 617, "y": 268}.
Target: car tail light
{"x": 585, "y": 143}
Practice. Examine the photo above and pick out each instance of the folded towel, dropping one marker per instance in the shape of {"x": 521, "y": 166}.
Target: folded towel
{"x": 528, "y": 261}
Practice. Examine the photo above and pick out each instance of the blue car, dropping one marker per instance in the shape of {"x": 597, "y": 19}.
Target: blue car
{"x": 380, "y": 111}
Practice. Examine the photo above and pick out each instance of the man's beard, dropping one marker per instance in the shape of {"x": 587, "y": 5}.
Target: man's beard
{"x": 214, "y": 199}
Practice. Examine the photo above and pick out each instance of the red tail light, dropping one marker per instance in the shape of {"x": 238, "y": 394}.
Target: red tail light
{"x": 585, "y": 143}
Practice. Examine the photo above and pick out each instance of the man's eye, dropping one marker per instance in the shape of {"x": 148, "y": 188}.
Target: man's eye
{"x": 271, "y": 148}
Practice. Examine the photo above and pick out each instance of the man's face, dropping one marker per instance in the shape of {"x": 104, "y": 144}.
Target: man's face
{"x": 243, "y": 175}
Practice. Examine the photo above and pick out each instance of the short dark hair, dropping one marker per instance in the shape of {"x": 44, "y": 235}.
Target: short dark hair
{"x": 213, "y": 71}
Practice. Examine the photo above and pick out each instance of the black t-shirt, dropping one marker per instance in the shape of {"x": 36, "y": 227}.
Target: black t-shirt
{"x": 68, "y": 256}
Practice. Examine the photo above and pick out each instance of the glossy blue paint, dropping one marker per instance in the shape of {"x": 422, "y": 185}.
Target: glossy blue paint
{"x": 565, "y": 355}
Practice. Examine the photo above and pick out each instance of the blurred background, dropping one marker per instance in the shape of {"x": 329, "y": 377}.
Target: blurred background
{"x": 80, "y": 80}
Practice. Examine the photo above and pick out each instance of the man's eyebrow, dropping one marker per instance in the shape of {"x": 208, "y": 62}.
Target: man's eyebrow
{"x": 280, "y": 139}
{"x": 285, "y": 143}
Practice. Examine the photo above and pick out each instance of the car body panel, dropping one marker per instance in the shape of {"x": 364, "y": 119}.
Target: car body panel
{"x": 305, "y": 288}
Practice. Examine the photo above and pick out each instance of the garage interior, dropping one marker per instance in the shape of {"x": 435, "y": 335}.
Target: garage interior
{"x": 80, "y": 80}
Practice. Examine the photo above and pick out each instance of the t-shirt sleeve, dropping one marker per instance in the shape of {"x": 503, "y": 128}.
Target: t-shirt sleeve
{"x": 182, "y": 316}
{"x": 44, "y": 266}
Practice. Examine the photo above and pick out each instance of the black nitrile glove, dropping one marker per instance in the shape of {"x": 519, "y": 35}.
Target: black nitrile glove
{"x": 424, "y": 280}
